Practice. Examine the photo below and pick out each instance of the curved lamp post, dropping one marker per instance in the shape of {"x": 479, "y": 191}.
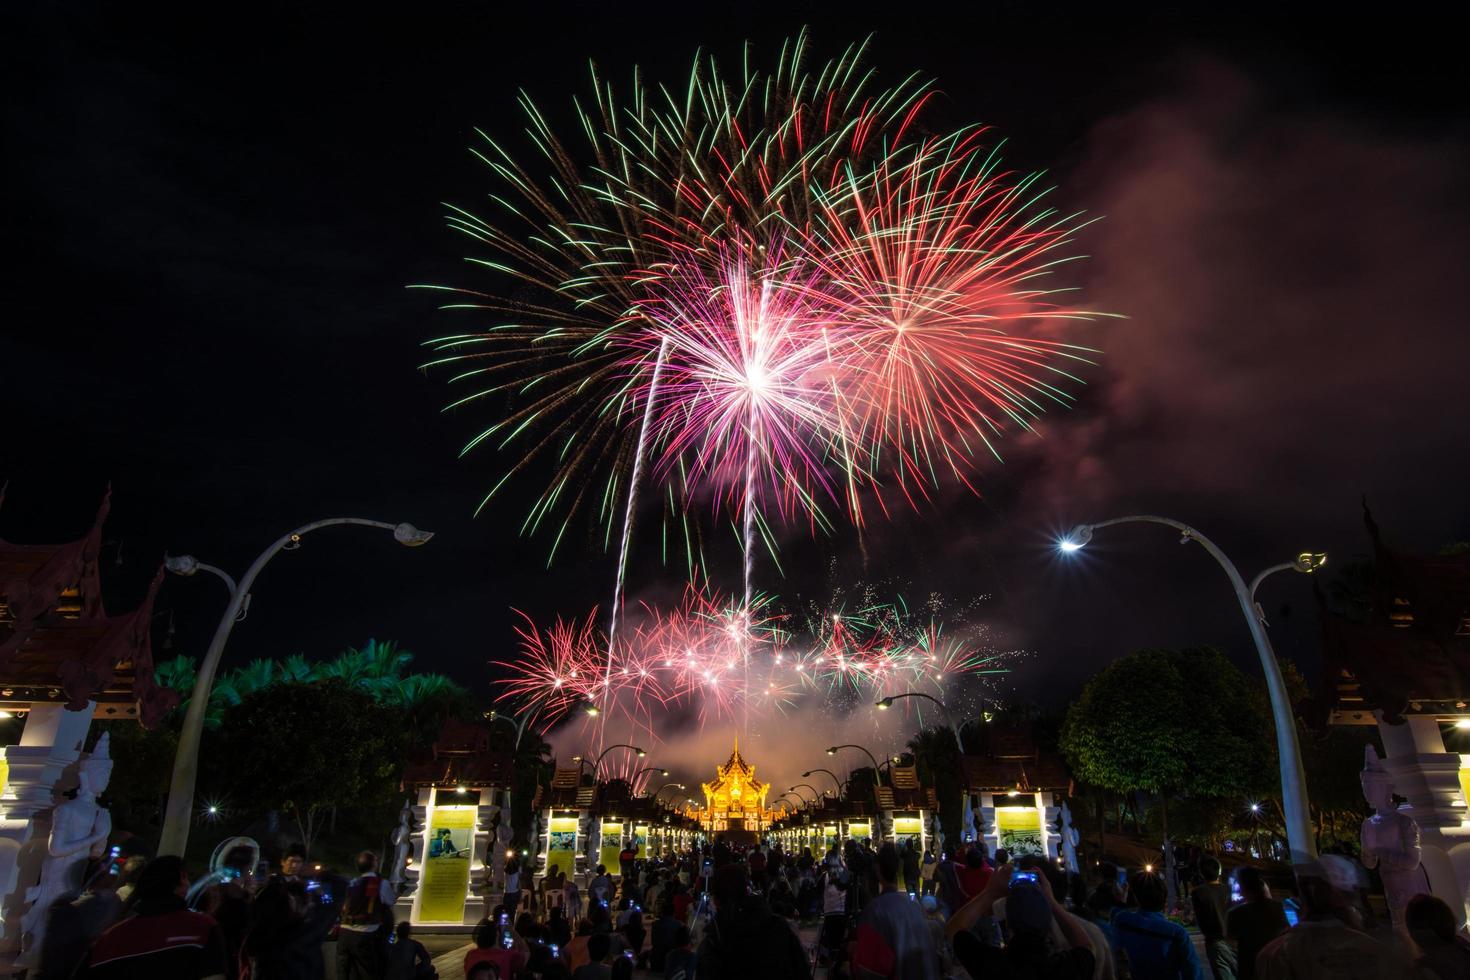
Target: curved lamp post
{"x": 180, "y": 805}
{"x": 1293, "y": 782}
{"x": 832, "y": 775}
{"x": 832, "y": 750}
{"x": 659, "y": 791}
{"x": 581, "y": 761}
{"x": 815, "y": 795}
{"x": 883, "y": 704}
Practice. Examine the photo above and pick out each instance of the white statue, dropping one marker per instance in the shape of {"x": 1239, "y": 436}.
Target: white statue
{"x": 402, "y": 841}
{"x": 79, "y": 830}
{"x": 1071, "y": 837}
{"x": 1390, "y": 839}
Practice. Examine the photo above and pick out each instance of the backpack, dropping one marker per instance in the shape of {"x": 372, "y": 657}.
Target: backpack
{"x": 361, "y": 906}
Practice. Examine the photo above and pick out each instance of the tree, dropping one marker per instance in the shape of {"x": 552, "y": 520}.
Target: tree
{"x": 1168, "y": 722}
{"x": 937, "y": 755}
{"x": 307, "y": 748}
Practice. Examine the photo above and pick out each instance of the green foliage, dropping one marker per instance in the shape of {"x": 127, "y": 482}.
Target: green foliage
{"x": 305, "y": 748}
{"x": 1169, "y": 722}
{"x": 377, "y": 669}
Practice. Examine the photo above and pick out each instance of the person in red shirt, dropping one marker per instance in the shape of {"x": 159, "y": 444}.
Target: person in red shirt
{"x": 975, "y": 875}
{"x": 162, "y": 940}
{"x": 490, "y": 948}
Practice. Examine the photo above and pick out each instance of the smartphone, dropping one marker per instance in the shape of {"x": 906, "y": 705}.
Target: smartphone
{"x": 1023, "y": 876}
{"x": 313, "y": 885}
{"x": 1122, "y": 877}
{"x": 507, "y": 940}
{"x": 628, "y": 953}
{"x": 555, "y": 950}
{"x": 1292, "y": 916}
{"x": 116, "y": 850}
{"x": 504, "y": 919}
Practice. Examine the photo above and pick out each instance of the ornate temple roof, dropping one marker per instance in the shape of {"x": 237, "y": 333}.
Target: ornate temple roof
{"x": 1010, "y": 759}
{"x": 736, "y": 770}
{"x": 461, "y": 756}
{"x": 1399, "y": 642}
{"x": 58, "y": 643}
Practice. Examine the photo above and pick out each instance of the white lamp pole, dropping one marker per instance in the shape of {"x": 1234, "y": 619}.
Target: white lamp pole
{"x": 1293, "y": 781}
{"x": 180, "y": 807}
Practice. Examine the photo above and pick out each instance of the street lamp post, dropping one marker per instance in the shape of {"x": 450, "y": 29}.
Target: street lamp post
{"x": 1293, "y": 781}
{"x": 618, "y": 745}
{"x": 883, "y": 704}
{"x": 832, "y": 750}
{"x": 832, "y": 775}
{"x": 658, "y": 792}
{"x": 180, "y": 806}
{"x": 815, "y": 795}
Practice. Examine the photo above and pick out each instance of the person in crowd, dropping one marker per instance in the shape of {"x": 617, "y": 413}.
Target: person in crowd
{"x": 575, "y": 953}
{"x": 228, "y": 903}
{"x": 512, "y": 900}
{"x": 1110, "y": 894}
{"x": 975, "y": 874}
{"x": 1002, "y": 856}
{"x": 680, "y": 962}
{"x": 1157, "y": 948}
{"x": 1437, "y": 946}
{"x": 1328, "y": 941}
{"x": 1031, "y": 910}
{"x": 626, "y": 870}
{"x": 558, "y": 929}
{"x": 665, "y": 929}
{"x": 599, "y": 945}
{"x": 947, "y": 881}
{"x": 499, "y": 946}
{"x": 571, "y": 897}
{"x": 929, "y": 906}
{"x": 1211, "y": 901}
{"x": 630, "y": 926}
{"x": 163, "y": 939}
{"x": 927, "y": 869}
{"x": 74, "y": 922}
{"x": 131, "y": 870}
{"x": 483, "y": 971}
{"x": 366, "y": 923}
{"x": 1253, "y": 923}
{"x": 745, "y": 939}
{"x": 407, "y": 957}
{"x": 1100, "y": 935}
{"x": 601, "y": 887}
{"x": 892, "y": 938}
{"x": 909, "y": 858}
{"x": 286, "y": 928}
{"x": 834, "y": 909}
{"x": 293, "y": 862}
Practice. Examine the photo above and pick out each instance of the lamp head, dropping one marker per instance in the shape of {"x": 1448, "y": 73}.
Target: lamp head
{"x": 1076, "y": 539}
{"x": 592, "y": 710}
{"x": 664, "y": 771}
{"x": 885, "y": 703}
{"x": 409, "y": 536}
{"x": 1309, "y": 561}
{"x": 181, "y": 564}
{"x": 832, "y": 750}
{"x": 640, "y": 752}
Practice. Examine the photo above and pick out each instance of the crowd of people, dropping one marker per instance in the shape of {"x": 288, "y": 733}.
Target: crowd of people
{"x": 721, "y": 912}
{"x": 140, "y": 918}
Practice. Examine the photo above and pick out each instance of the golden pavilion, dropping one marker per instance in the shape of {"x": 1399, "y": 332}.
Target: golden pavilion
{"x": 735, "y": 800}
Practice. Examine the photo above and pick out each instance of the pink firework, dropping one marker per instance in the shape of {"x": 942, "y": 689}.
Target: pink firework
{"x": 940, "y": 264}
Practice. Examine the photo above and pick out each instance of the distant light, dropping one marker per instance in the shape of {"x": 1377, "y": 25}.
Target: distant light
{"x": 6, "y": 714}
{"x": 1148, "y": 868}
{"x": 460, "y": 790}
{"x": 1068, "y": 545}
{"x": 213, "y": 810}
{"x": 1462, "y": 724}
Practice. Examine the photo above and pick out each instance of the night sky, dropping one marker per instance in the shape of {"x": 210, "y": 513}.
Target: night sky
{"x": 212, "y": 223}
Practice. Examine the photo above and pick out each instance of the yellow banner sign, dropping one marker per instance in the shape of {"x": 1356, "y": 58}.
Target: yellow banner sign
{"x": 561, "y": 845}
{"x": 445, "y": 881}
{"x": 612, "y": 846}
